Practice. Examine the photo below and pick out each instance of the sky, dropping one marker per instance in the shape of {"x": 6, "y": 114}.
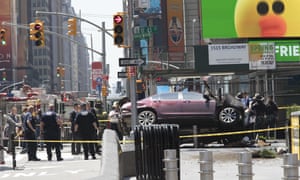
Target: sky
{"x": 98, "y": 11}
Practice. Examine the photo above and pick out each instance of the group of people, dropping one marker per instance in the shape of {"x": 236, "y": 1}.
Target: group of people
{"x": 26, "y": 125}
{"x": 84, "y": 126}
{"x": 261, "y": 113}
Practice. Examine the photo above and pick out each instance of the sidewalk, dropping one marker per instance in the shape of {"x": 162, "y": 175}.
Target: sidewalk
{"x": 72, "y": 167}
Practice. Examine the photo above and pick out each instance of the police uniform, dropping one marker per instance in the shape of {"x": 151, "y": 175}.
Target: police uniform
{"x": 85, "y": 125}
{"x": 51, "y": 131}
{"x": 30, "y": 135}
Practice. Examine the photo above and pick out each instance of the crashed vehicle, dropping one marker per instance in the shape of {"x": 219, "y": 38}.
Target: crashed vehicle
{"x": 187, "y": 109}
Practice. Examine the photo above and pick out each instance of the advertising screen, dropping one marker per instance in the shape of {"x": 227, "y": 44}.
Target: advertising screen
{"x": 250, "y": 18}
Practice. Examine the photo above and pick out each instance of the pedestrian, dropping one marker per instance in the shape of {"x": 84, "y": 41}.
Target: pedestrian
{"x": 13, "y": 124}
{"x": 23, "y": 121}
{"x": 50, "y": 130}
{"x": 93, "y": 111}
{"x": 114, "y": 119}
{"x": 85, "y": 125}
{"x": 30, "y": 135}
{"x": 258, "y": 107}
{"x": 76, "y": 146}
{"x": 271, "y": 114}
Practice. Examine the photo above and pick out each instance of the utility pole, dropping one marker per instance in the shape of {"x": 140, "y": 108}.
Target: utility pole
{"x": 132, "y": 80}
{"x": 104, "y": 64}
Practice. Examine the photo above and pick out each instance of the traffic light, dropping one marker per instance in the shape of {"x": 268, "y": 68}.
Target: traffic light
{"x": 2, "y": 37}
{"x": 3, "y": 76}
{"x": 140, "y": 86}
{"x": 118, "y": 29}
{"x": 62, "y": 72}
{"x": 104, "y": 91}
{"x": 72, "y": 26}
{"x": 37, "y": 32}
{"x": 58, "y": 72}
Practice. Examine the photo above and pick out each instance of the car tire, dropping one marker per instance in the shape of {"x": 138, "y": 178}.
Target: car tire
{"x": 230, "y": 117}
{"x": 146, "y": 117}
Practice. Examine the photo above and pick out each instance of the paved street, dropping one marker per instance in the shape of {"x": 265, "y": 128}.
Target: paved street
{"x": 73, "y": 167}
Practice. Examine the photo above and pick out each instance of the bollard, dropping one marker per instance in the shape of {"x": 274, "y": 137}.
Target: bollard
{"x": 195, "y": 138}
{"x": 171, "y": 169}
{"x": 206, "y": 165}
{"x": 13, "y": 150}
{"x": 2, "y": 161}
{"x": 245, "y": 166}
{"x": 290, "y": 167}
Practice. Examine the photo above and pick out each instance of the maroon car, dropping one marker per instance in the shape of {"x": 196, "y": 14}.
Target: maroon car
{"x": 186, "y": 109}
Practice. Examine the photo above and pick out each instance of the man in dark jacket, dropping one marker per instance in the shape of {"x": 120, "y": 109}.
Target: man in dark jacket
{"x": 50, "y": 129}
{"x": 271, "y": 113}
{"x": 75, "y": 147}
{"x": 259, "y": 109}
{"x": 85, "y": 125}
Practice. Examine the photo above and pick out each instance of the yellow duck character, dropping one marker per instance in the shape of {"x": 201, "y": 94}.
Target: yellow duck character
{"x": 267, "y": 18}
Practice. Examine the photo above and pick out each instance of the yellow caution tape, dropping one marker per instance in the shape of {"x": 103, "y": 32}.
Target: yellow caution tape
{"x": 181, "y": 137}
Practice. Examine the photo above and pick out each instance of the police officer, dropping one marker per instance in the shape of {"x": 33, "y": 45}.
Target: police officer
{"x": 259, "y": 109}
{"x": 75, "y": 147}
{"x": 30, "y": 135}
{"x": 50, "y": 129}
{"x": 85, "y": 125}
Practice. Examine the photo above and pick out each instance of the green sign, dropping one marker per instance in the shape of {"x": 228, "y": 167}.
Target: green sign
{"x": 144, "y": 32}
{"x": 287, "y": 51}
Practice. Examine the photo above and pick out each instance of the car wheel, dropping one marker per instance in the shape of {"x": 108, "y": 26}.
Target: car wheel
{"x": 229, "y": 116}
{"x": 146, "y": 117}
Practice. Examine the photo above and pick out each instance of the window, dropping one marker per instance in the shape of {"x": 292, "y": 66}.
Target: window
{"x": 169, "y": 96}
{"x": 192, "y": 96}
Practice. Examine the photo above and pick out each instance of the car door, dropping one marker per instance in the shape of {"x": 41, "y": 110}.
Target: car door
{"x": 167, "y": 105}
{"x": 194, "y": 104}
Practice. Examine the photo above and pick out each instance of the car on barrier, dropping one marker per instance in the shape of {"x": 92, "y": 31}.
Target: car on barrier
{"x": 187, "y": 109}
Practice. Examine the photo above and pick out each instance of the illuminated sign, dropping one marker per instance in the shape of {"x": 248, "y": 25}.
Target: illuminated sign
{"x": 250, "y": 18}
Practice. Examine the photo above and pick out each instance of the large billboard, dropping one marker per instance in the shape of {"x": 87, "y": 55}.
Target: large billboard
{"x": 5, "y": 50}
{"x": 175, "y": 30}
{"x": 250, "y": 18}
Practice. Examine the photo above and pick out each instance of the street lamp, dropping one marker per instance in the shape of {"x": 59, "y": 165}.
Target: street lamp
{"x": 194, "y": 21}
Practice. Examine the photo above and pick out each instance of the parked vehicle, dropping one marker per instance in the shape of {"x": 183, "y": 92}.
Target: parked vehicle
{"x": 187, "y": 109}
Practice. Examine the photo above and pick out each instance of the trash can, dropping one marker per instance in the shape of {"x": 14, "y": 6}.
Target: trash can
{"x": 150, "y": 143}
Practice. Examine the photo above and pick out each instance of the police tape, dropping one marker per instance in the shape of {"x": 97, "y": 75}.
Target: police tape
{"x": 126, "y": 141}
{"x": 226, "y": 133}
{"x": 58, "y": 141}
{"x": 101, "y": 121}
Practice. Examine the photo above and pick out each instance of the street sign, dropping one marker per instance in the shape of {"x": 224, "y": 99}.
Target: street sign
{"x": 144, "y": 32}
{"x": 131, "y": 62}
{"x": 122, "y": 75}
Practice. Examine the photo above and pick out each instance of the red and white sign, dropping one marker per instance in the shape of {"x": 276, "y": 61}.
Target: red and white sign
{"x": 97, "y": 72}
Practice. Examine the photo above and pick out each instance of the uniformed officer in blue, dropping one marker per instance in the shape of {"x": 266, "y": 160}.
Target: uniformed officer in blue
{"x": 50, "y": 129}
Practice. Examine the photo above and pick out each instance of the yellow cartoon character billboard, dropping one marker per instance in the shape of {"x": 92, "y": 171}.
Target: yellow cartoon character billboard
{"x": 251, "y": 18}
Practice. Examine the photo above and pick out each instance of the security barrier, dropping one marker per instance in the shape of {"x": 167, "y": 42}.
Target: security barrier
{"x": 150, "y": 143}
{"x": 295, "y": 138}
